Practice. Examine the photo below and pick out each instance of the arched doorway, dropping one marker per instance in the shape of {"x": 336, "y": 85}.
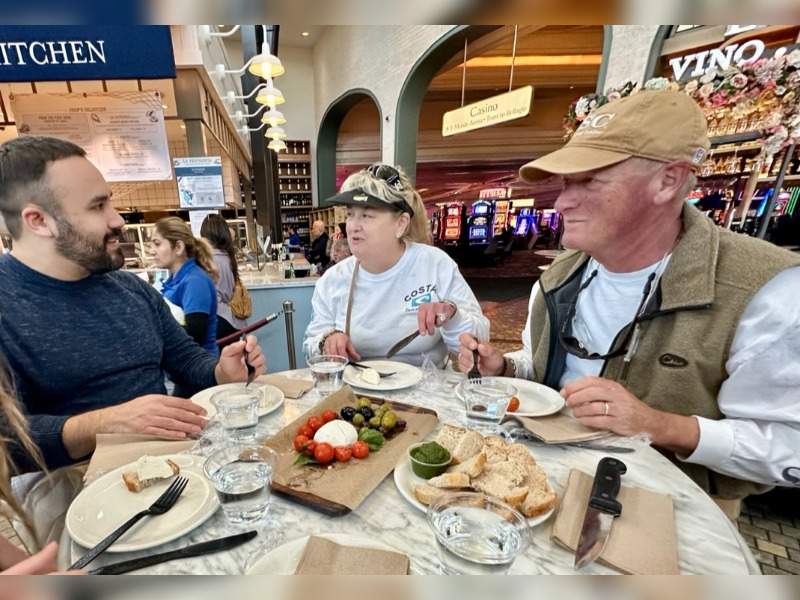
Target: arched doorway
{"x": 349, "y": 135}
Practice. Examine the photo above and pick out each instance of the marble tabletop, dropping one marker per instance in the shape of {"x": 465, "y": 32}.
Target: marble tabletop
{"x": 708, "y": 543}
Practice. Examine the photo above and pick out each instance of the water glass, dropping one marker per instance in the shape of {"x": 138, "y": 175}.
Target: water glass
{"x": 238, "y": 412}
{"x": 327, "y": 370}
{"x": 486, "y": 401}
{"x": 477, "y": 534}
{"x": 242, "y": 475}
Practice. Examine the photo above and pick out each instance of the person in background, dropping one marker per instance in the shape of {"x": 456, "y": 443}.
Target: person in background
{"x": 318, "y": 255}
{"x": 294, "y": 238}
{"x": 88, "y": 345}
{"x": 193, "y": 272}
{"x": 395, "y": 283}
{"x": 215, "y": 230}
{"x": 339, "y": 251}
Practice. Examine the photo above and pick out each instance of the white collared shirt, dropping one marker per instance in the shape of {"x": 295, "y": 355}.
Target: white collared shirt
{"x": 759, "y": 437}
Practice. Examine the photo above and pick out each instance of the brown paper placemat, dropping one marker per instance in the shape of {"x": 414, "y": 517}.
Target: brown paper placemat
{"x": 324, "y": 557}
{"x": 117, "y": 449}
{"x": 560, "y": 428}
{"x": 643, "y": 539}
{"x": 340, "y": 487}
{"x": 291, "y": 388}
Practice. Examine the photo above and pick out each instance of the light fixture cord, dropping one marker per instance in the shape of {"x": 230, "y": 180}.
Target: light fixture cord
{"x": 513, "y": 58}
{"x": 464, "y": 72}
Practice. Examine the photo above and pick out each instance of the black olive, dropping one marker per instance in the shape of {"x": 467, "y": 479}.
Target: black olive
{"x": 348, "y": 412}
{"x": 367, "y": 412}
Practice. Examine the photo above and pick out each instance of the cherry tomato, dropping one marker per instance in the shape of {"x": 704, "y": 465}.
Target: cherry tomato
{"x": 309, "y": 448}
{"x": 514, "y": 404}
{"x": 315, "y": 423}
{"x": 343, "y": 453}
{"x": 306, "y": 431}
{"x": 360, "y": 449}
{"x": 324, "y": 453}
{"x": 300, "y": 442}
{"x": 328, "y": 415}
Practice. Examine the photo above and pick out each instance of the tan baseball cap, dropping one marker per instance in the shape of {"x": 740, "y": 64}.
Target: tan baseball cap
{"x": 660, "y": 125}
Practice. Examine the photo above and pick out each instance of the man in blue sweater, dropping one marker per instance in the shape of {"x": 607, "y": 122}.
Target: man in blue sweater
{"x": 87, "y": 345}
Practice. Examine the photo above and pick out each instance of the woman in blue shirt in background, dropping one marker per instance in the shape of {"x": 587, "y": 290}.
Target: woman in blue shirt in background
{"x": 192, "y": 275}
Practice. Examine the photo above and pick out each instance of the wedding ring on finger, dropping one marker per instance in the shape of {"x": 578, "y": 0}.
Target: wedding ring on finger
{"x": 605, "y": 409}
{"x": 441, "y": 318}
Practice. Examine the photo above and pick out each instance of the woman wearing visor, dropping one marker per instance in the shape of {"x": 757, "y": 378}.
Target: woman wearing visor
{"x": 395, "y": 283}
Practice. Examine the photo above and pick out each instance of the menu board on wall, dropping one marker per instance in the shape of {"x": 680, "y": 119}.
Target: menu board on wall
{"x": 200, "y": 182}
{"x": 123, "y": 133}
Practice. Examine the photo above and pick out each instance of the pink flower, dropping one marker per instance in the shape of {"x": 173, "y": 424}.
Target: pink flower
{"x": 705, "y": 90}
{"x": 739, "y": 80}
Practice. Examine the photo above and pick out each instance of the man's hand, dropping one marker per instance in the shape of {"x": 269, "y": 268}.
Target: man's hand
{"x": 231, "y": 366}
{"x": 154, "y": 414}
{"x": 490, "y": 359}
{"x": 340, "y": 344}
{"x": 432, "y": 315}
{"x": 604, "y": 404}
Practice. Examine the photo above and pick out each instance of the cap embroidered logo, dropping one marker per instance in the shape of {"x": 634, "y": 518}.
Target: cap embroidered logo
{"x": 594, "y": 124}
{"x": 360, "y": 198}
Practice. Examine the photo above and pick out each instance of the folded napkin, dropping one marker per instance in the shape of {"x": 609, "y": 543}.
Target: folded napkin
{"x": 117, "y": 449}
{"x": 560, "y": 428}
{"x": 643, "y": 540}
{"x": 324, "y": 557}
{"x": 291, "y": 388}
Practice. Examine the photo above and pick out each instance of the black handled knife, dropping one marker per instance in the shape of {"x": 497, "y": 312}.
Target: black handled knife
{"x": 603, "y": 508}
{"x": 200, "y": 549}
{"x": 402, "y": 344}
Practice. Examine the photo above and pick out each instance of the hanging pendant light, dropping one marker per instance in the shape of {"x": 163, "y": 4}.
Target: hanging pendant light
{"x": 276, "y": 133}
{"x": 277, "y": 145}
{"x": 270, "y": 96}
{"x": 266, "y": 65}
{"x": 273, "y": 117}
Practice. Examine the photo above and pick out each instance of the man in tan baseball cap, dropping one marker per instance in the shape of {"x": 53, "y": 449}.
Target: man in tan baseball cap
{"x": 656, "y": 321}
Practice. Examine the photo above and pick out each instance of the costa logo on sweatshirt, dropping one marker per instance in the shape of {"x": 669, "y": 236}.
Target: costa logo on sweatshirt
{"x": 421, "y": 295}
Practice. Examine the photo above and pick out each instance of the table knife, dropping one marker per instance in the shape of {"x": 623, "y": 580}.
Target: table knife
{"x": 200, "y": 549}
{"x": 603, "y": 508}
{"x": 402, "y": 344}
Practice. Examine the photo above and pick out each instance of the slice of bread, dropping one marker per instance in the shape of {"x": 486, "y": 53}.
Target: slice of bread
{"x": 450, "y": 481}
{"x": 470, "y": 444}
{"x": 427, "y": 493}
{"x": 516, "y": 496}
{"x": 149, "y": 470}
{"x": 449, "y": 436}
{"x": 538, "y": 501}
{"x": 472, "y": 467}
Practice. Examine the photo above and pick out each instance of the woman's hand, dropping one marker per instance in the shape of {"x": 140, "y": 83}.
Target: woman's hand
{"x": 432, "y": 315}
{"x": 340, "y": 344}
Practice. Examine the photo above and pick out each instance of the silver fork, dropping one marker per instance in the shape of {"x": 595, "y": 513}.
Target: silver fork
{"x": 381, "y": 373}
{"x": 164, "y": 502}
{"x": 474, "y": 374}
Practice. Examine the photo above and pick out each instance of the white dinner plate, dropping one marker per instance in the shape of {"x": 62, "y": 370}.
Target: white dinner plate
{"x": 406, "y": 480}
{"x": 535, "y": 399}
{"x": 405, "y": 375}
{"x": 106, "y": 503}
{"x": 284, "y": 559}
{"x": 271, "y": 397}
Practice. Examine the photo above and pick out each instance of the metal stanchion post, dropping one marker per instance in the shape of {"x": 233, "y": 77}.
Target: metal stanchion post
{"x": 288, "y": 311}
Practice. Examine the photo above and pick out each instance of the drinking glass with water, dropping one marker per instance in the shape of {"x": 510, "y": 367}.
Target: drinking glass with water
{"x": 327, "y": 370}
{"x": 486, "y": 402}
{"x": 477, "y": 534}
{"x": 238, "y": 412}
{"x": 241, "y": 476}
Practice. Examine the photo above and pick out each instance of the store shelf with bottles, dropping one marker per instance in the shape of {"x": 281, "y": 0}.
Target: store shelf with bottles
{"x": 297, "y": 151}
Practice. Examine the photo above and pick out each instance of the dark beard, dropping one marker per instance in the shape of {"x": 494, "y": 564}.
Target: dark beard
{"x": 87, "y": 253}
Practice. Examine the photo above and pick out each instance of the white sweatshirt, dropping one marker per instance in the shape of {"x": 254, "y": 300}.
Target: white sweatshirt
{"x": 759, "y": 437}
{"x": 385, "y": 306}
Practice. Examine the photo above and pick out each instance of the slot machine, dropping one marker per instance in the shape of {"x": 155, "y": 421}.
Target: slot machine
{"x": 479, "y": 225}
{"x": 436, "y": 224}
{"x": 452, "y": 224}
{"x": 501, "y": 210}
{"x": 524, "y": 222}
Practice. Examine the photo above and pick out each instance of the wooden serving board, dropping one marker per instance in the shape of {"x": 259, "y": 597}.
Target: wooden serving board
{"x": 339, "y": 488}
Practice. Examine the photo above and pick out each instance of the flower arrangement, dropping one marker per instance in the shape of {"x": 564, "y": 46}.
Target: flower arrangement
{"x": 738, "y": 92}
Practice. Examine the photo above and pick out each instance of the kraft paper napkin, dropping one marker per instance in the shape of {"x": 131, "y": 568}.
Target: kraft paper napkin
{"x": 643, "y": 539}
{"x": 291, "y": 388}
{"x": 117, "y": 449}
{"x": 324, "y": 557}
